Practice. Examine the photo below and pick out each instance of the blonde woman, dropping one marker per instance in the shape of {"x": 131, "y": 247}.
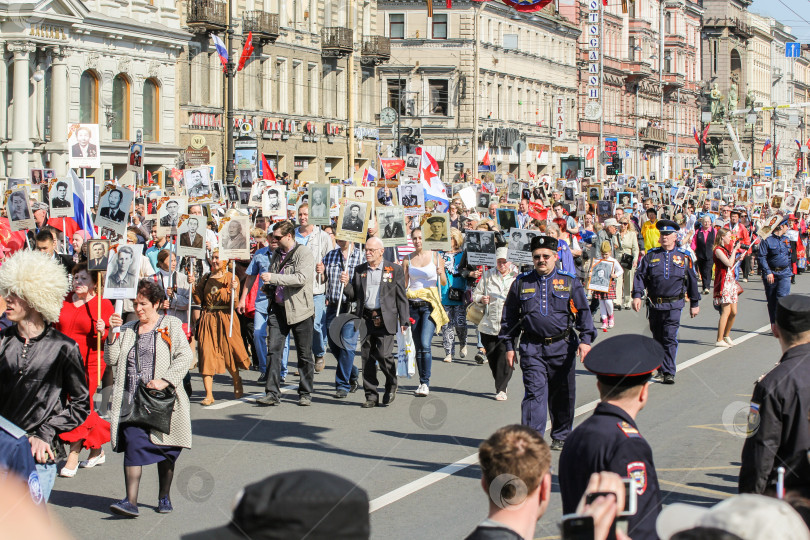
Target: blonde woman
{"x": 453, "y": 298}
{"x": 626, "y": 244}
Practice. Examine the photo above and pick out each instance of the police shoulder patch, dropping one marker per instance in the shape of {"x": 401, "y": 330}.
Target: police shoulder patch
{"x": 683, "y": 251}
{"x": 525, "y": 274}
{"x": 629, "y": 431}
{"x": 637, "y": 470}
{"x": 564, "y": 273}
{"x": 753, "y": 418}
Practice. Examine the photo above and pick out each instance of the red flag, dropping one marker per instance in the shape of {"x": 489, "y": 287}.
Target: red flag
{"x": 246, "y": 51}
{"x": 604, "y": 2}
{"x": 149, "y": 177}
{"x": 390, "y": 167}
{"x": 13, "y": 240}
{"x": 486, "y": 161}
{"x": 705, "y": 136}
{"x": 267, "y": 172}
{"x": 776, "y": 153}
{"x": 808, "y": 144}
{"x": 695, "y": 133}
{"x": 449, "y": 4}
{"x": 537, "y": 210}
{"x": 591, "y": 153}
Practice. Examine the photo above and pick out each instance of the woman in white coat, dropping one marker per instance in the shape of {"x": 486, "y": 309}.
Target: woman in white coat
{"x": 491, "y": 291}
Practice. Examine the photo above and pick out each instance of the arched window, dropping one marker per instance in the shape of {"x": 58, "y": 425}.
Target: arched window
{"x": 668, "y": 23}
{"x": 151, "y": 110}
{"x": 88, "y": 98}
{"x": 120, "y": 107}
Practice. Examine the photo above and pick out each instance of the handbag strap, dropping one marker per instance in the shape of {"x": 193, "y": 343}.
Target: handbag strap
{"x": 137, "y": 345}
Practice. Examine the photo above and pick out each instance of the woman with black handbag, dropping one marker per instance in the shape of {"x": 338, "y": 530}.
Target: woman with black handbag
{"x": 150, "y": 420}
{"x": 454, "y": 298}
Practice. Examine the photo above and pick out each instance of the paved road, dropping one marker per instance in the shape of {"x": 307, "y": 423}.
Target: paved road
{"x": 416, "y": 459}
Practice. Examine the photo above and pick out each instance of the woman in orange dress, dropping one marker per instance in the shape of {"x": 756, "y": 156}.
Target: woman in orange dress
{"x": 217, "y": 353}
{"x": 80, "y": 321}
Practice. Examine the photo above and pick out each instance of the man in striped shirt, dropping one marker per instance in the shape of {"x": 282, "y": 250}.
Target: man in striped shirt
{"x": 342, "y": 260}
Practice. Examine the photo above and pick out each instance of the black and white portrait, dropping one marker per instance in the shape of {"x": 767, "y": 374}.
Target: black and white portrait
{"x": 391, "y": 223}
{"x": 625, "y": 199}
{"x": 507, "y": 219}
{"x": 480, "y": 247}
{"x": 483, "y": 202}
{"x": 198, "y": 183}
{"x": 246, "y": 178}
{"x": 518, "y": 251}
{"x": 353, "y": 220}
{"x": 600, "y": 276}
{"x": 83, "y": 141}
{"x": 274, "y": 201}
{"x": 191, "y": 236}
{"x": 123, "y": 269}
{"x": 604, "y": 209}
{"x": 318, "y": 204}
{"x": 97, "y": 255}
{"x": 513, "y": 195}
{"x": 113, "y": 208}
{"x": 593, "y": 194}
{"x": 61, "y": 198}
{"x": 216, "y": 191}
{"x": 256, "y": 193}
{"x": 18, "y": 210}
{"x": 436, "y": 232}
{"x": 234, "y": 234}
{"x": 169, "y": 211}
{"x": 412, "y": 198}
{"x": 233, "y": 193}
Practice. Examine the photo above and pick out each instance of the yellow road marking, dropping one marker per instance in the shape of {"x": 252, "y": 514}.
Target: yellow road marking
{"x": 722, "y": 429}
{"x": 681, "y": 469}
{"x": 696, "y": 488}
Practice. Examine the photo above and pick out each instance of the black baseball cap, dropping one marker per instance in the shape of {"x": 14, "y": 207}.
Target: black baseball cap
{"x": 626, "y": 360}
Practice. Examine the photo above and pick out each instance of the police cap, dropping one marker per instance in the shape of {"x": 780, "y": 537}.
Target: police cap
{"x": 667, "y": 226}
{"x": 544, "y": 242}
{"x": 625, "y": 360}
{"x": 793, "y": 313}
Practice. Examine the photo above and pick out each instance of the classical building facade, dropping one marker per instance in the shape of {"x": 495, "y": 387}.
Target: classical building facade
{"x": 97, "y": 62}
{"x": 649, "y": 84}
{"x": 480, "y": 78}
{"x": 312, "y": 76}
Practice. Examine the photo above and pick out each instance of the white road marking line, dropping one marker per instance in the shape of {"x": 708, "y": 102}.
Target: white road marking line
{"x": 449, "y": 470}
{"x": 246, "y": 399}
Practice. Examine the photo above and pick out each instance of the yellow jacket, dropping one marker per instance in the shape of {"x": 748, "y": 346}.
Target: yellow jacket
{"x": 651, "y": 235}
{"x": 431, "y": 295}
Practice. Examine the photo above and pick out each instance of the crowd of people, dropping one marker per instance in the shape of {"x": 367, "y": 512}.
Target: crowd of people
{"x": 534, "y": 305}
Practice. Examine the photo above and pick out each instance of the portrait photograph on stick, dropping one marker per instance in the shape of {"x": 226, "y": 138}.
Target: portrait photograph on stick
{"x": 436, "y": 232}
{"x": 60, "y": 197}
{"x": 352, "y": 223}
{"x": 97, "y": 251}
{"x": 168, "y": 214}
{"x": 83, "y": 141}
{"x": 600, "y": 276}
{"x": 234, "y": 241}
{"x": 319, "y": 204}
{"x": 113, "y": 209}
{"x": 412, "y": 198}
{"x": 274, "y": 202}
{"x": 198, "y": 183}
{"x": 391, "y": 224}
{"x": 123, "y": 267}
{"x": 519, "y": 247}
{"x": 18, "y": 209}
{"x": 191, "y": 236}
{"x": 135, "y": 158}
{"x": 480, "y": 247}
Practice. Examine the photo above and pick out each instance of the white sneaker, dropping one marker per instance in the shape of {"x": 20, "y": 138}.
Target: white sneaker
{"x": 722, "y": 344}
{"x": 448, "y": 358}
{"x": 500, "y": 396}
{"x": 421, "y": 391}
{"x": 464, "y": 351}
{"x": 730, "y": 341}
{"x": 425, "y": 390}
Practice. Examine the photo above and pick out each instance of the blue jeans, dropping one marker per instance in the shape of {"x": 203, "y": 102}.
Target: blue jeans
{"x": 346, "y": 372}
{"x": 321, "y": 328}
{"x": 260, "y": 339}
{"x": 284, "y": 355}
{"x": 423, "y": 329}
{"x": 47, "y": 476}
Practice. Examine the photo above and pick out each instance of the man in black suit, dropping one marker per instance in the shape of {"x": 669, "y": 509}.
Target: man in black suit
{"x": 378, "y": 287}
{"x": 60, "y": 201}
{"x": 704, "y": 251}
{"x": 46, "y": 243}
{"x": 170, "y": 219}
{"x": 408, "y": 198}
{"x": 98, "y": 257}
{"x": 192, "y": 238}
{"x": 392, "y": 229}
{"x": 353, "y": 222}
{"x": 112, "y": 210}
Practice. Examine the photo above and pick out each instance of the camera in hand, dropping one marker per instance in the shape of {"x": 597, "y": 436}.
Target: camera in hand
{"x": 745, "y": 246}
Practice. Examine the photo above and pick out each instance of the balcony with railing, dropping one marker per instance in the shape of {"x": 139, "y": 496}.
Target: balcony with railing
{"x": 376, "y": 49}
{"x": 639, "y": 25}
{"x": 263, "y": 25}
{"x": 735, "y": 24}
{"x": 207, "y": 15}
{"x": 654, "y": 136}
{"x": 637, "y": 69}
{"x": 336, "y": 41}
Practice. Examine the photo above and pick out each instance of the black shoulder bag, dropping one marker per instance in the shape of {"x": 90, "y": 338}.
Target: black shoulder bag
{"x": 151, "y": 409}
{"x": 270, "y": 290}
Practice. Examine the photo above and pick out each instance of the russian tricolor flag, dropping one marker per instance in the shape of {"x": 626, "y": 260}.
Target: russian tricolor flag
{"x": 222, "y": 51}
{"x": 81, "y": 210}
{"x": 766, "y": 147}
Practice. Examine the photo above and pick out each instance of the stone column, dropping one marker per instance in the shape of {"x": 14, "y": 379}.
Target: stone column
{"x": 20, "y": 144}
{"x": 59, "y": 110}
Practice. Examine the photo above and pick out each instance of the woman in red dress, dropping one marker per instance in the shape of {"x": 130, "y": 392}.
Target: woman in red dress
{"x": 80, "y": 321}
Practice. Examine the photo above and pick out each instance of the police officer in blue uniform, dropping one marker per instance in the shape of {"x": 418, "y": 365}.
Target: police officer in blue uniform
{"x": 543, "y": 308}
{"x": 610, "y": 440}
{"x": 669, "y": 277}
{"x": 774, "y": 262}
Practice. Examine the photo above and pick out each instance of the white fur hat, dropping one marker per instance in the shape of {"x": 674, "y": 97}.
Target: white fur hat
{"x": 36, "y": 278}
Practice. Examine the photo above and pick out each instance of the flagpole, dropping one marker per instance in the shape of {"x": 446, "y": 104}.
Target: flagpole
{"x": 229, "y": 75}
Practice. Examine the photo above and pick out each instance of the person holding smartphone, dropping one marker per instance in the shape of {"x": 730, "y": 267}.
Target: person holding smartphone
{"x": 610, "y": 440}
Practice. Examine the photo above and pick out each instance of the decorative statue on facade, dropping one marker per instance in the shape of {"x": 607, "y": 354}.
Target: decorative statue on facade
{"x": 749, "y": 99}
{"x": 732, "y": 98}
{"x": 714, "y": 154}
{"x": 716, "y": 104}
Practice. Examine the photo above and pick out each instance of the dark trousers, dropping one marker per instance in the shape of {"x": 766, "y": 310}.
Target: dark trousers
{"x": 377, "y": 350}
{"x": 277, "y": 331}
{"x": 496, "y": 356}
{"x": 550, "y": 391}
{"x": 747, "y": 266}
{"x": 704, "y": 268}
{"x": 776, "y": 290}
{"x": 664, "y": 324}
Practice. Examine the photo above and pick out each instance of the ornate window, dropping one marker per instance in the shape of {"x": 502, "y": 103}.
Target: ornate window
{"x": 151, "y": 110}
